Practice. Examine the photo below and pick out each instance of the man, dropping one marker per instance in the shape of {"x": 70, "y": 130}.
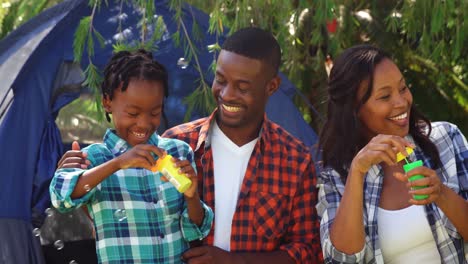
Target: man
{"x": 258, "y": 179}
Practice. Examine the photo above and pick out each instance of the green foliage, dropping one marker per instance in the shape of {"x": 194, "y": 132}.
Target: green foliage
{"x": 8, "y": 22}
{"x": 79, "y": 41}
{"x": 428, "y": 39}
{"x": 80, "y": 121}
{"x": 93, "y": 80}
{"x": 20, "y": 11}
{"x": 201, "y": 99}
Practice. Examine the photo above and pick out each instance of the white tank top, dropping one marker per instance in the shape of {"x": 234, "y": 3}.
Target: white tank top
{"x": 405, "y": 236}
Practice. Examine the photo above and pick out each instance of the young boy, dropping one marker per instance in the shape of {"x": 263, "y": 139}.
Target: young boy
{"x": 137, "y": 217}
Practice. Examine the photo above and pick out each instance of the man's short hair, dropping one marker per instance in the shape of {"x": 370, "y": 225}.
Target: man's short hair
{"x": 255, "y": 43}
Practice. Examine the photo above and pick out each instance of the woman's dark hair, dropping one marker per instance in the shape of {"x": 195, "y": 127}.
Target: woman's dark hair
{"x": 341, "y": 138}
{"x": 125, "y": 65}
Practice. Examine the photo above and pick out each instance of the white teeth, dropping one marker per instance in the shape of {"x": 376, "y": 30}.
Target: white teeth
{"x": 231, "y": 108}
{"x": 140, "y": 135}
{"x": 400, "y": 117}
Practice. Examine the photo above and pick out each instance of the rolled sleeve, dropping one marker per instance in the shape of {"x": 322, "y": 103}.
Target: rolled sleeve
{"x": 333, "y": 255}
{"x": 329, "y": 197}
{"x": 190, "y": 230}
{"x": 61, "y": 188}
{"x": 461, "y": 160}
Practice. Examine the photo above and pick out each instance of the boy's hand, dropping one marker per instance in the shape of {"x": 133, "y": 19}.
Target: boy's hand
{"x": 74, "y": 158}
{"x": 185, "y": 167}
{"x": 140, "y": 157}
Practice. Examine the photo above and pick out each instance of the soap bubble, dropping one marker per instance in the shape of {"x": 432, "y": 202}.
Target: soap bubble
{"x": 59, "y": 244}
{"x": 36, "y": 232}
{"x": 120, "y": 214}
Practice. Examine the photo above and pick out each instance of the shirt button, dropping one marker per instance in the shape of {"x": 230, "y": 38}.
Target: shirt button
{"x": 161, "y": 235}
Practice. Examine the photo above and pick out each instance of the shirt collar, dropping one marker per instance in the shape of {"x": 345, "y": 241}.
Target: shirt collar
{"x": 207, "y": 127}
{"x": 205, "y": 130}
{"x": 118, "y": 145}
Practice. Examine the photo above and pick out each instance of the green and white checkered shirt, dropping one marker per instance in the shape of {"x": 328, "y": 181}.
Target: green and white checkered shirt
{"x": 137, "y": 217}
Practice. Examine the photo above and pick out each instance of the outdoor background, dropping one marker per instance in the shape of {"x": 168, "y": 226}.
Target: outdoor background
{"x": 428, "y": 39}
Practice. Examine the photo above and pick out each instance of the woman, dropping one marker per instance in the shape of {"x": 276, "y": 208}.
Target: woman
{"x": 368, "y": 213}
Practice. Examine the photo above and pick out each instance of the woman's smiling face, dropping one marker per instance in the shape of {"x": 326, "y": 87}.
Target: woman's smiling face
{"x": 387, "y": 110}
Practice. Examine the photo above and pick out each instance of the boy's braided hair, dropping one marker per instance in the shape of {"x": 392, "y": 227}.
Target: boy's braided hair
{"x": 125, "y": 65}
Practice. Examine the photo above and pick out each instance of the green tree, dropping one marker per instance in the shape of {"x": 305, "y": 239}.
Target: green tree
{"x": 428, "y": 39}
{"x": 13, "y": 13}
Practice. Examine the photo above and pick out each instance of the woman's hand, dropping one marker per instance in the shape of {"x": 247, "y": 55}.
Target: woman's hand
{"x": 381, "y": 148}
{"x": 431, "y": 185}
{"x": 140, "y": 156}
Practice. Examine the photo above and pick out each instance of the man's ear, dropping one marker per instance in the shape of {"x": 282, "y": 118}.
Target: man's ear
{"x": 273, "y": 85}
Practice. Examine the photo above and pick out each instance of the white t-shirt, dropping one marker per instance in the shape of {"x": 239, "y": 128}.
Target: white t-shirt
{"x": 405, "y": 236}
{"x": 230, "y": 163}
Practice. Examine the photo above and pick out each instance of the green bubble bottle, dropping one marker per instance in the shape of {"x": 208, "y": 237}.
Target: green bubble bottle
{"x": 409, "y": 166}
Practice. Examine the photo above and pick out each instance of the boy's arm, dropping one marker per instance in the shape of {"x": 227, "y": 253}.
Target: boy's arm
{"x": 70, "y": 188}
{"x": 62, "y": 185}
{"x": 195, "y": 209}
{"x": 197, "y": 217}
{"x": 137, "y": 157}
{"x": 200, "y": 227}
{"x": 92, "y": 177}
{"x": 193, "y": 204}
{"x": 66, "y": 183}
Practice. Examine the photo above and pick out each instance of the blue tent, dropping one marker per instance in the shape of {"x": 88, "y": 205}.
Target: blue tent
{"x": 39, "y": 78}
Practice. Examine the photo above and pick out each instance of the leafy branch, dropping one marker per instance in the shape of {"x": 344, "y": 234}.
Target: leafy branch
{"x": 201, "y": 99}
{"x": 84, "y": 36}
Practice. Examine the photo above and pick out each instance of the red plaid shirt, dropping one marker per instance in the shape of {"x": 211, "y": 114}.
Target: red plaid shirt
{"x": 276, "y": 204}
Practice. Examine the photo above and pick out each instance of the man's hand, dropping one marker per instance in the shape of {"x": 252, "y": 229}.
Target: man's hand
{"x": 210, "y": 255}
{"x": 74, "y": 158}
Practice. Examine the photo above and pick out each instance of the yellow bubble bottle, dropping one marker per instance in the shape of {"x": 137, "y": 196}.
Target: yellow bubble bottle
{"x": 166, "y": 167}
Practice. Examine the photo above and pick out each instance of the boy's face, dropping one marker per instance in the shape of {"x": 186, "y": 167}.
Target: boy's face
{"x": 241, "y": 89}
{"x": 136, "y": 112}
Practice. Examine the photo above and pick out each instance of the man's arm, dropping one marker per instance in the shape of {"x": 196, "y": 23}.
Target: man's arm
{"x": 212, "y": 255}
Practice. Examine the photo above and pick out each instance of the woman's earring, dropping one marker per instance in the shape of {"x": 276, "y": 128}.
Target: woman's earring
{"x": 108, "y": 117}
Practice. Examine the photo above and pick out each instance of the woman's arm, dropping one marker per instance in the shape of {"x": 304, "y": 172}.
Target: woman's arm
{"x": 455, "y": 208}
{"x": 454, "y": 205}
{"x": 347, "y": 232}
